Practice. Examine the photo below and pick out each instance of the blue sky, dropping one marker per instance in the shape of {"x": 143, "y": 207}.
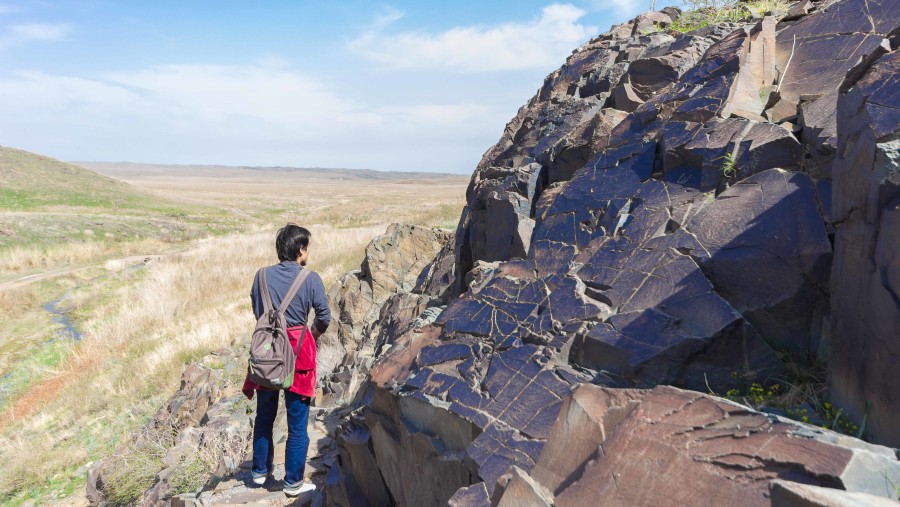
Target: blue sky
{"x": 397, "y": 85}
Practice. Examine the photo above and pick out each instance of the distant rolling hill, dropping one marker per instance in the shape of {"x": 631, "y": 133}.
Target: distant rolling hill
{"x": 47, "y": 202}
{"x": 29, "y": 181}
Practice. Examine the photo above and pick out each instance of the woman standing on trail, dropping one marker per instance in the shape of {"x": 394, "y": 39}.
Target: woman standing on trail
{"x": 292, "y": 245}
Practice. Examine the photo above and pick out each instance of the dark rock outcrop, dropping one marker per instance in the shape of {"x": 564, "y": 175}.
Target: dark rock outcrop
{"x": 659, "y": 213}
{"x": 405, "y": 259}
{"x": 650, "y": 255}
{"x": 406, "y": 271}
{"x": 865, "y": 283}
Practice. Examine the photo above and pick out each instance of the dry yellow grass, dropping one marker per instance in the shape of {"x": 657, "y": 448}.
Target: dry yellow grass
{"x": 136, "y": 343}
{"x": 187, "y": 305}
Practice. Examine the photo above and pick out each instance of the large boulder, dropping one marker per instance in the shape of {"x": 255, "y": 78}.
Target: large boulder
{"x": 404, "y": 280}
{"x": 565, "y": 125}
{"x": 793, "y": 494}
{"x": 666, "y": 446}
{"x": 823, "y": 46}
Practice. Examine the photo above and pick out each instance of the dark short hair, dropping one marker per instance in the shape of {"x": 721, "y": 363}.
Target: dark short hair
{"x": 290, "y": 240}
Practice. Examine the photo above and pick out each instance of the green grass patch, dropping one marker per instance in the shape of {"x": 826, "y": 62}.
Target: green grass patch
{"x": 29, "y": 180}
{"x": 62, "y": 486}
{"x": 133, "y": 470}
{"x": 703, "y": 13}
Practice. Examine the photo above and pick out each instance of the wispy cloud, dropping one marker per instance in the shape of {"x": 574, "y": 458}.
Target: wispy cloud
{"x": 8, "y": 9}
{"x": 254, "y": 114}
{"x": 21, "y": 34}
{"x": 39, "y": 31}
{"x": 385, "y": 18}
{"x": 540, "y": 43}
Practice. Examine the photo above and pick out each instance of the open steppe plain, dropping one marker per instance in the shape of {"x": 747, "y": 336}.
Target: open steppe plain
{"x": 104, "y": 301}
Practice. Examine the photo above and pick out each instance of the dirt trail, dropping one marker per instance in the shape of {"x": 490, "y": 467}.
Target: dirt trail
{"x": 129, "y": 261}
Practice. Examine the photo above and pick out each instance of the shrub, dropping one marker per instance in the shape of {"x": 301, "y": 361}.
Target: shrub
{"x": 700, "y": 13}
{"x": 191, "y": 473}
{"x": 130, "y": 472}
{"x": 799, "y": 400}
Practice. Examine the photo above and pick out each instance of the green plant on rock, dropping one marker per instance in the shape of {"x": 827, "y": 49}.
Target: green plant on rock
{"x": 655, "y": 28}
{"x": 893, "y": 487}
{"x": 701, "y": 13}
{"x": 800, "y": 399}
{"x": 727, "y": 168}
{"x": 755, "y": 396}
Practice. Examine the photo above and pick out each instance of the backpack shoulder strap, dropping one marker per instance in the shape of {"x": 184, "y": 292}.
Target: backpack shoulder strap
{"x": 292, "y": 291}
{"x": 264, "y": 291}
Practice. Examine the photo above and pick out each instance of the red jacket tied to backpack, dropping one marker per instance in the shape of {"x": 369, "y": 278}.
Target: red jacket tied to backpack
{"x": 305, "y": 372}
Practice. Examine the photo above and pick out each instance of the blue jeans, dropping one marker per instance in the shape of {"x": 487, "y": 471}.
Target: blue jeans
{"x": 297, "y": 407}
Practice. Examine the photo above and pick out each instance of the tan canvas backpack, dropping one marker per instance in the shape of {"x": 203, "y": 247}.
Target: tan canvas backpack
{"x": 272, "y": 359}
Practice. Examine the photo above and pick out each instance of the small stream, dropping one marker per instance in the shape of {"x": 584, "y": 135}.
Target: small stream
{"x": 60, "y": 316}
{"x": 68, "y": 331}
{"x": 20, "y": 374}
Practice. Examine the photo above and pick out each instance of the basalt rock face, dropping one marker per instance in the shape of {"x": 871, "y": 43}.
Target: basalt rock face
{"x": 866, "y": 280}
{"x": 659, "y": 213}
{"x": 641, "y": 233}
{"x": 405, "y": 259}
{"x": 685, "y": 237}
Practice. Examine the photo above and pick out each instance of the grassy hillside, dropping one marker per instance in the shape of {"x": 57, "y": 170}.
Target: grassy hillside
{"x": 29, "y": 181}
{"x": 50, "y": 209}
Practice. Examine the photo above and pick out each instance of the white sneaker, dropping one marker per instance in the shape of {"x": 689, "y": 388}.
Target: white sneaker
{"x": 299, "y": 488}
{"x": 259, "y": 481}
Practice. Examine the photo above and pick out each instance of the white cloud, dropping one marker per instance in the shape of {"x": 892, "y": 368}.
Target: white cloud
{"x": 430, "y": 115}
{"x": 538, "y": 44}
{"x": 217, "y": 93}
{"x": 260, "y": 114}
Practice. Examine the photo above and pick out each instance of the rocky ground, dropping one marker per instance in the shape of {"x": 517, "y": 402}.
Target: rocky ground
{"x": 211, "y": 416}
{"x": 239, "y": 490}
